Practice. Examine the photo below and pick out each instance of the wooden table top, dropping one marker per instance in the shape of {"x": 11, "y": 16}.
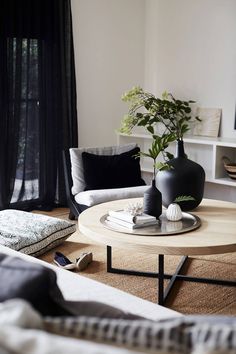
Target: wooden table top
{"x": 217, "y": 233}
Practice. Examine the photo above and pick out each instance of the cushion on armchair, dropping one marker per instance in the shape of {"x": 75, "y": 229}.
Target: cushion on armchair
{"x": 104, "y": 174}
{"x": 77, "y": 169}
{"x": 116, "y": 171}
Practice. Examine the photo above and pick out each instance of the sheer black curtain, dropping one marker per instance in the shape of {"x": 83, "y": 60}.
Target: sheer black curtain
{"x": 38, "y": 116}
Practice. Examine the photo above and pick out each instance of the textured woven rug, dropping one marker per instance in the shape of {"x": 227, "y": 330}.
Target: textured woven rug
{"x": 186, "y": 297}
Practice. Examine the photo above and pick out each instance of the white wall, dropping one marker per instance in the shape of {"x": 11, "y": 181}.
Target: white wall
{"x": 191, "y": 52}
{"x": 187, "y": 47}
{"x": 109, "y": 56}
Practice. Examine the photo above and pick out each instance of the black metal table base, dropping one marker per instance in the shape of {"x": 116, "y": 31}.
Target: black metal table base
{"x": 161, "y": 276}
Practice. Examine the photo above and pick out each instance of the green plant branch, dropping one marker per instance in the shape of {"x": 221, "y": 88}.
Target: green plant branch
{"x": 147, "y": 111}
{"x": 183, "y": 198}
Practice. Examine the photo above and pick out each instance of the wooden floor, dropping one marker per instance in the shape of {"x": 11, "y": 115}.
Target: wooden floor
{"x": 61, "y": 213}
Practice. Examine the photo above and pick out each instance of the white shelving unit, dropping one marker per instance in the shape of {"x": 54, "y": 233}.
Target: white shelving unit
{"x": 208, "y": 152}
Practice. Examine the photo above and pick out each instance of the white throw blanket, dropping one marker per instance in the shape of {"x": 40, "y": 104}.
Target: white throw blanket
{"x": 24, "y": 331}
{"x": 21, "y": 332}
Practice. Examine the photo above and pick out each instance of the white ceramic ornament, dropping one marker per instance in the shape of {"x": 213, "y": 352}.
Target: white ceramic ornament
{"x": 173, "y": 212}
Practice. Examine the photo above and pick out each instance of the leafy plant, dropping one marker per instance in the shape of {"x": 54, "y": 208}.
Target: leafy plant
{"x": 159, "y": 145}
{"x": 150, "y": 112}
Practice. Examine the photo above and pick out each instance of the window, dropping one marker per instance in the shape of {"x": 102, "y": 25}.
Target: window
{"x": 38, "y": 102}
{"x": 25, "y": 99}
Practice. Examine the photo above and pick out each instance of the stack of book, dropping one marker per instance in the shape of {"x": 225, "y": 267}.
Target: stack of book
{"x": 129, "y": 221}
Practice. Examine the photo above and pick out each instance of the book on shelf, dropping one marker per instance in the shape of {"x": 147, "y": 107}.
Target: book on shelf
{"x": 127, "y": 217}
{"x": 130, "y": 225}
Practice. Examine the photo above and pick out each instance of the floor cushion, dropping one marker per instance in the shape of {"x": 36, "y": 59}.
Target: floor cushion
{"x": 32, "y": 233}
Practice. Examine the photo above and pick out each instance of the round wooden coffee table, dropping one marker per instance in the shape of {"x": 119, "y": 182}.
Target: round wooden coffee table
{"x": 216, "y": 235}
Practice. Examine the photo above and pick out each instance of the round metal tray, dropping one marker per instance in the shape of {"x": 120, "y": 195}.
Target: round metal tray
{"x": 165, "y": 227}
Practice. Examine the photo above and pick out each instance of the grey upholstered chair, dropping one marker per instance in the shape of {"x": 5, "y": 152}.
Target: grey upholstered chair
{"x": 78, "y": 197}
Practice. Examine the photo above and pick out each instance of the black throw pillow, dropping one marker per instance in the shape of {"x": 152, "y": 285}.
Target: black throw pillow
{"x": 113, "y": 171}
{"x": 37, "y": 285}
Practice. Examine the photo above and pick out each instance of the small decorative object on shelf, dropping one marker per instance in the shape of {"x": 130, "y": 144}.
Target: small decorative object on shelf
{"x": 210, "y": 122}
{"x": 230, "y": 167}
{"x": 173, "y": 212}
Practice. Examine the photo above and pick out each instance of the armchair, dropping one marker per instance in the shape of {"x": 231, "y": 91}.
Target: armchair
{"x": 98, "y": 175}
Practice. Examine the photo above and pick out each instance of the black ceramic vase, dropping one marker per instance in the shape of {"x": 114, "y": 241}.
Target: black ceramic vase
{"x": 185, "y": 178}
{"x": 152, "y": 201}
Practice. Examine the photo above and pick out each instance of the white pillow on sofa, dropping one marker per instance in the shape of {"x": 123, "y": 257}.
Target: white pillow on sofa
{"x": 77, "y": 170}
{"x": 93, "y": 197}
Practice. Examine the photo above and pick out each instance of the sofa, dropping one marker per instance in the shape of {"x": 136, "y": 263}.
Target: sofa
{"x": 131, "y": 325}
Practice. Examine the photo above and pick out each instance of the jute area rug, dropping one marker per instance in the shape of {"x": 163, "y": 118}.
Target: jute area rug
{"x": 188, "y": 298}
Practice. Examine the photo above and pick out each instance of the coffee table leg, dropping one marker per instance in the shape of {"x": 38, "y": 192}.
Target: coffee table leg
{"x": 109, "y": 259}
{"x": 160, "y": 275}
{"x": 160, "y": 279}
